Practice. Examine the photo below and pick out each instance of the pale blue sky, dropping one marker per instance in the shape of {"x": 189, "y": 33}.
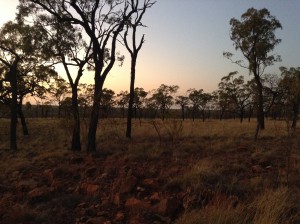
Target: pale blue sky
{"x": 185, "y": 40}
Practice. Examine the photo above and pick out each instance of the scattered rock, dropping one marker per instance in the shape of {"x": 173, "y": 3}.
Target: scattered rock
{"x": 151, "y": 183}
{"x": 155, "y": 197}
{"x": 136, "y": 205}
{"x": 119, "y": 217}
{"x": 90, "y": 189}
{"x": 98, "y": 220}
{"x": 136, "y": 220}
{"x": 169, "y": 207}
{"x": 39, "y": 194}
{"x": 128, "y": 184}
{"x": 117, "y": 199}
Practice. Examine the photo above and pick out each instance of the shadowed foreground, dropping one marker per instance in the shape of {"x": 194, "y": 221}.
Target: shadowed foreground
{"x": 170, "y": 172}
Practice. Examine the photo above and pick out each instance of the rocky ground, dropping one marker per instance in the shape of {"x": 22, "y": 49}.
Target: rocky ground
{"x": 146, "y": 181}
{"x": 95, "y": 189}
{"x": 91, "y": 189}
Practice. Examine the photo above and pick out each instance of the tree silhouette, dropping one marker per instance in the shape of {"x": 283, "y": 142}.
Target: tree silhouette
{"x": 122, "y": 101}
{"x": 237, "y": 92}
{"x": 163, "y": 98}
{"x": 195, "y": 97}
{"x": 22, "y": 53}
{"x": 134, "y": 23}
{"x": 59, "y": 90}
{"x": 139, "y": 99}
{"x": 254, "y": 35}
{"x": 183, "y": 102}
{"x": 107, "y": 101}
{"x": 290, "y": 86}
{"x": 102, "y": 21}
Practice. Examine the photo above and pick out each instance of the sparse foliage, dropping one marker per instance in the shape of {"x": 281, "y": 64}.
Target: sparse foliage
{"x": 254, "y": 35}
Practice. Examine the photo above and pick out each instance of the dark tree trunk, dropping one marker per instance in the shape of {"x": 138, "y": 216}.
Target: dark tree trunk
{"x": 14, "y": 109}
{"x": 241, "y": 115}
{"x": 250, "y": 113}
{"x": 140, "y": 116}
{"x": 221, "y": 114}
{"x": 203, "y": 115}
{"x": 182, "y": 112}
{"x": 76, "y": 142}
{"x": 23, "y": 120}
{"x": 91, "y": 147}
{"x": 59, "y": 109}
{"x": 100, "y": 77}
{"x": 260, "y": 109}
{"x": 131, "y": 97}
{"x": 163, "y": 114}
{"x": 193, "y": 115}
{"x": 295, "y": 115}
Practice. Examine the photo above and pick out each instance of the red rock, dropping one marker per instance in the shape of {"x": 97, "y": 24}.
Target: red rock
{"x": 128, "y": 184}
{"x": 99, "y": 220}
{"x": 90, "y": 189}
{"x": 168, "y": 207}
{"x": 116, "y": 199}
{"x": 133, "y": 203}
{"x": 155, "y": 197}
{"x": 38, "y": 192}
{"x": 150, "y": 183}
{"x": 136, "y": 220}
{"x": 119, "y": 217}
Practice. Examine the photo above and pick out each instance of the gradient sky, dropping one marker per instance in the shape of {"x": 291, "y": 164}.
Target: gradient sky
{"x": 185, "y": 40}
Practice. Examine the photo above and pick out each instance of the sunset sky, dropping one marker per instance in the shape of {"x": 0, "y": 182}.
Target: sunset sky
{"x": 185, "y": 40}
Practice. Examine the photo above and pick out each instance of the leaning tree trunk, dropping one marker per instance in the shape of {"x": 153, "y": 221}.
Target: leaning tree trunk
{"x": 76, "y": 142}
{"x": 23, "y": 120}
{"x": 131, "y": 97}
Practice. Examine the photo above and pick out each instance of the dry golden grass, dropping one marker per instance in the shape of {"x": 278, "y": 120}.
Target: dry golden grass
{"x": 203, "y": 175}
{"x": 271, "y": 207}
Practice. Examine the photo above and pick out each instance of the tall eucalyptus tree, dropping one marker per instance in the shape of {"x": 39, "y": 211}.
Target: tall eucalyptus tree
{"x": 254, "y": 35}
